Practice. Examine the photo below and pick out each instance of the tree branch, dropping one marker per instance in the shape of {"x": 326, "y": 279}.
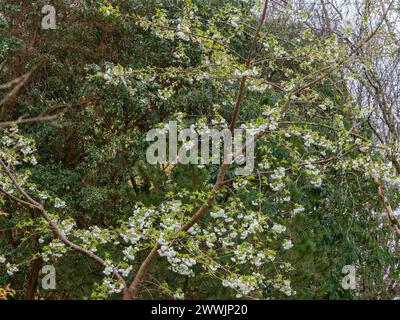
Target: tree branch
{"x": 134, "y": 288}
{"x": 56, "y": 232}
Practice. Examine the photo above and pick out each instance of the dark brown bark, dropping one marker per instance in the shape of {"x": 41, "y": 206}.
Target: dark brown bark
{"x": 33, "y": 278}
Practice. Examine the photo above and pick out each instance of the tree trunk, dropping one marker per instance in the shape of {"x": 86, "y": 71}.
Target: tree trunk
{"x": 31, "y": 288}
